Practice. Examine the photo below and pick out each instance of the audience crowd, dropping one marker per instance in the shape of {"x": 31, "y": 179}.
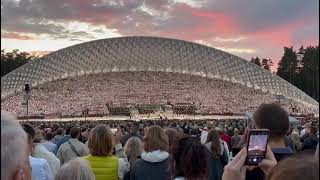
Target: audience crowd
{"x": 158, "y": 150}
{"x": 71, "y": 96}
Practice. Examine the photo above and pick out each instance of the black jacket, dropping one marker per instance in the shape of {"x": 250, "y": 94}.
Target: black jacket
{"x": 144, "y": 170}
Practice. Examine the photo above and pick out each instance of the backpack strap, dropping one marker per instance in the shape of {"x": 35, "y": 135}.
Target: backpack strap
{"x": 73, "y": 149}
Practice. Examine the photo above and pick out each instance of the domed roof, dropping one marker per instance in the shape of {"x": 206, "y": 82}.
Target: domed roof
{"x": 149, "y": 54}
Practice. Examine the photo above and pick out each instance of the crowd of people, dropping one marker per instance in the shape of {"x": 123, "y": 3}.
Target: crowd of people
{"x": 162, "y": 149}
{"x": 71, "y": 96}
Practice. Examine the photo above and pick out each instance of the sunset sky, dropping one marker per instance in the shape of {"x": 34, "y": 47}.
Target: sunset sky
{"x": 245, "y": 28}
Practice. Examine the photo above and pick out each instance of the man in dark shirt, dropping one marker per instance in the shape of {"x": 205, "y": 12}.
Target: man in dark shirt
{"x": 276, "y": 119}
{"x": 134, "y": 130}
{"x": 311, "y": 142}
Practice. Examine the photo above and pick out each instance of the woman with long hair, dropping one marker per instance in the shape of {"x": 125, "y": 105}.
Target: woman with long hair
{"x": 216, "y": 147}
{"x": 154, "y": 161}
{"x": 189, "y": 160}
{"x": 133, "y": 149}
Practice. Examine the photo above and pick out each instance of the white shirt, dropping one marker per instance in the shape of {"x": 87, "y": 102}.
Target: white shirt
{"x": 204, "y": 134}
{"x": 302, "y": 132}
{"x": 40, "y": 151}
{"x": 40, "y": 169}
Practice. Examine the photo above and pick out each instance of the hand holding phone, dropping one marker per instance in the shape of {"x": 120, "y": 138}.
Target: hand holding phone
{"x": 257, "y": 146}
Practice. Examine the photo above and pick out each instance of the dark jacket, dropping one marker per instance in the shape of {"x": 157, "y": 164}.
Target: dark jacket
{"x": 279, "y": 154}
{"x": 310, "y": 143}
{"x": 151, "y": 168}
{"x": 215, "y": 167}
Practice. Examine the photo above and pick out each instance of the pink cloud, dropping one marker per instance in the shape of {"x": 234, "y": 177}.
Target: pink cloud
{"x": 14, "y": 35}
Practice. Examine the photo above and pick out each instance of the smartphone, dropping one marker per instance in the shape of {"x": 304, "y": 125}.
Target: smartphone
{"x": 257, "y": 146}
{"x": 114, "y": 131}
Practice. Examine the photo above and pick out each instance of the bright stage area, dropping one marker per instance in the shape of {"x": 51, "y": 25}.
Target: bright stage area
{"x": 181, "y": 117}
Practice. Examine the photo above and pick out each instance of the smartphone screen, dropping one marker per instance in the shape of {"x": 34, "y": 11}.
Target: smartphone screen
{"x": 257, "y": 146}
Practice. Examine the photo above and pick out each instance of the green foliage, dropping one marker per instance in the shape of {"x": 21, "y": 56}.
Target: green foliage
{"x": 287, "y": 66}
{"x": 256, "y": 61}
{"x": 12, "y": 60}
{"x": 301, "y": 69}
{"x": 266, "y": 63}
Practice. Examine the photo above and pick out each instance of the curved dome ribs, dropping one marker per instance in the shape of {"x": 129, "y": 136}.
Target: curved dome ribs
{"x": 149, "y": 54}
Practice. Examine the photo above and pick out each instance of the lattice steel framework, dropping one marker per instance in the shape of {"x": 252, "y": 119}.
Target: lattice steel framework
{"x": 149, "y": 54}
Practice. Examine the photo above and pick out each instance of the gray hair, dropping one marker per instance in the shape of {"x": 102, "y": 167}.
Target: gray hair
{"x": 14, "y": 145}
{"x": 133, "y": 149}
{"x": 77, "y": 169}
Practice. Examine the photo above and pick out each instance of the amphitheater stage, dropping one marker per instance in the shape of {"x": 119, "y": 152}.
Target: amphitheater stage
{"x": 177, "y": 117}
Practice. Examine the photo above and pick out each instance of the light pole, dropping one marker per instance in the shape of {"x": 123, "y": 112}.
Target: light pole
{"x": 27, "y": 98}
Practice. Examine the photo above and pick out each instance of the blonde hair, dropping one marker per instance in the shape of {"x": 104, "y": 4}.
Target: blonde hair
{"x": 77, "y": 169}
{"x": 133, "y": 149}
{"x": 100, "y": 141}
{"x": 155, "y": 139}
{"x": 38, "y": 137}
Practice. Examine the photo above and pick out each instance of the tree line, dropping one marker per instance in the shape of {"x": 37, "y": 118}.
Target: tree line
{"x": 299, "y": 67}
{"x": 12, "y": 60}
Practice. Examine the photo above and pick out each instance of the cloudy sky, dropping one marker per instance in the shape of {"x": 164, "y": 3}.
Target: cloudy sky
{"x": 245, "y": 28}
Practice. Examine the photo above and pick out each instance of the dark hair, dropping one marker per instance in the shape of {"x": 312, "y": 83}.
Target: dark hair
{"x": 49, "y": 136}
{"x": 134, "y": 127}
{"x": 59, "y": 131}
{"x": 295, "y": 168}
{"x": 68, "y": 130}
{"x": 313, "y": 130}
{"x": 272, "y": 117}
{"x": 214, "y": 138}
{"x": 74, "y": 132}
{"x": 189, "y": 159}
{"x": 29, "y": 130}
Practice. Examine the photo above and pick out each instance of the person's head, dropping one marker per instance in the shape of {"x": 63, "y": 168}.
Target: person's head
{"x": 59, "y": 131}
{"x": 68, "y": 129}
{"x": 38, "y": 136}
{"x": 296, "y": 168}
{"x": 100, "y": 141}
{"x": 77, "y": 169}
{"x": 14, "y": 150}
{"x": 133, "y": 149}
{"x": 274, "y": 118}
{"x": 30, "y": 133}
{"x": 189, "y": 159}
{"x": 313, "y": 130}
{"x": 75, "y": 132}
{"x": 155, "y": 139}
{"x": 173, "y": 136}
{"x": 134, "y": 127}
{"x": 236, "y": 132}
{"x": 209, "y": 124}
{"x": 214, "y": 138}
{"x": 49, "y": 136}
